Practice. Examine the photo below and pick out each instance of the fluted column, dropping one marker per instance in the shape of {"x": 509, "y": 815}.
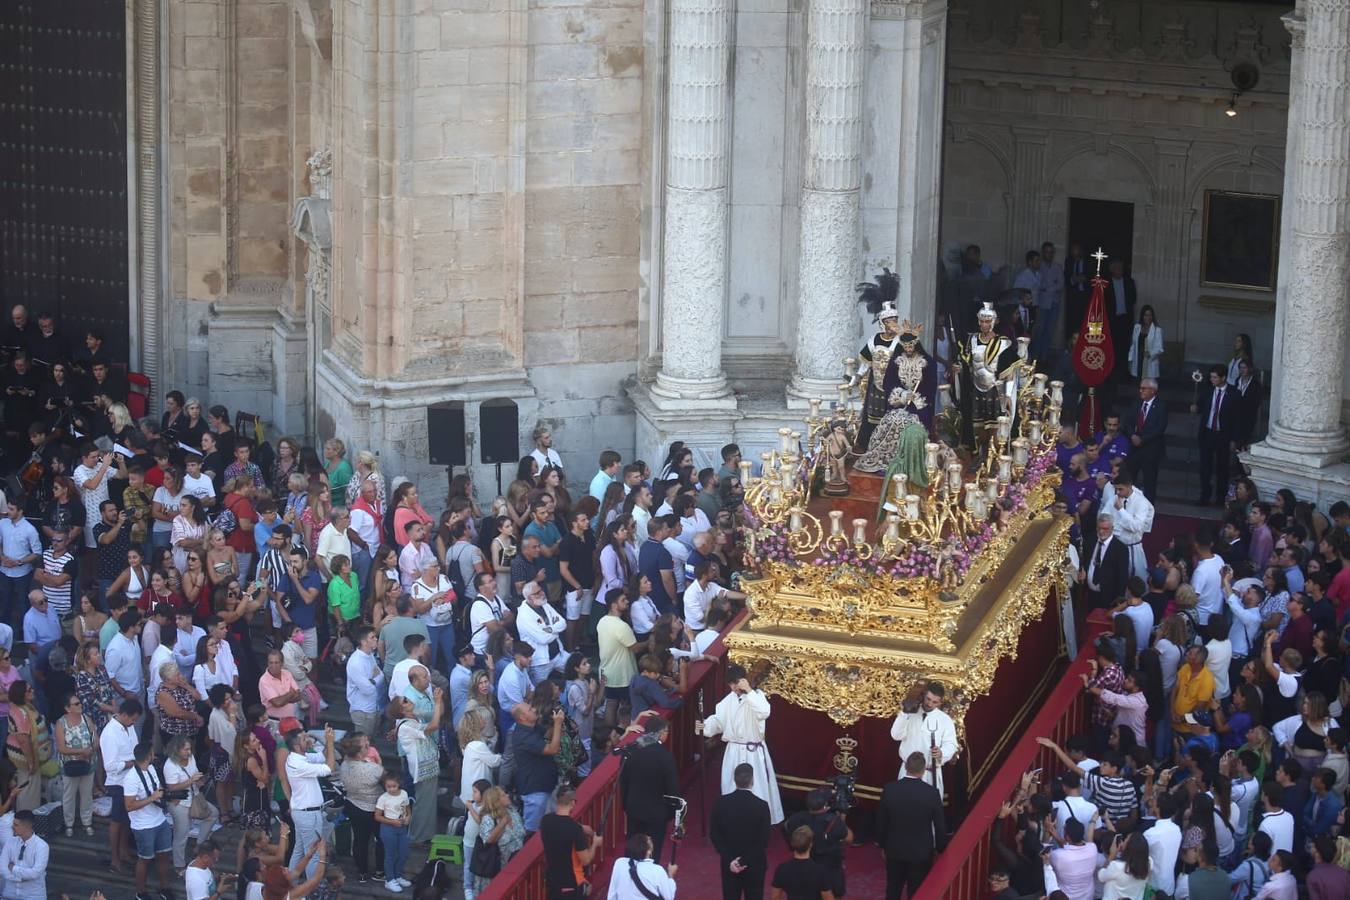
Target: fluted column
{"x": 695, "y": 251}
{"x": 828, "y": 270}
{"x": 1316, "y": 307}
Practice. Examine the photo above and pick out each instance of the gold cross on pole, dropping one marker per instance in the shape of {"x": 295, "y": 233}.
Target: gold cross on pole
{"x": 1099, "y": 256}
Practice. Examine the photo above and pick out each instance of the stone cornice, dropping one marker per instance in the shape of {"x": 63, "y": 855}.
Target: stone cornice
{"x": 398, "y": 393}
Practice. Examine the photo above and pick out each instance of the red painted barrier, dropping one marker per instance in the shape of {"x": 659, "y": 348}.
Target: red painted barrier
{"x": 522, "y": 878}
{"x": 960, "y": 871}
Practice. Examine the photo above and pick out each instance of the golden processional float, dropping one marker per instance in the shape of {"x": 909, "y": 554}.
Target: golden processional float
{"x": 850, "y": 610}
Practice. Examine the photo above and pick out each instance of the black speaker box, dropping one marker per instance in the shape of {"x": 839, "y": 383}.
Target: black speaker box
{"x": 445, "y": 435}
{"x": 499, "y": 422}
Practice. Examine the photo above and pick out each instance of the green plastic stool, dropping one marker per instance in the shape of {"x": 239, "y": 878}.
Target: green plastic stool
{"x": 449, "y": 847}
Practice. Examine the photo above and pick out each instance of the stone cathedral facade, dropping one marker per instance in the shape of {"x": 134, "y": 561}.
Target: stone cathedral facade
{"x": 639, "y": 219}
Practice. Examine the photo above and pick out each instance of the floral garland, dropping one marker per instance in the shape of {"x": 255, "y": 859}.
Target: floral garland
{"x": 917, "y": 560}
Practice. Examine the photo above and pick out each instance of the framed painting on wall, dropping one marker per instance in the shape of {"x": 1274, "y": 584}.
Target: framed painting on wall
{"x": 1240, "y": 247}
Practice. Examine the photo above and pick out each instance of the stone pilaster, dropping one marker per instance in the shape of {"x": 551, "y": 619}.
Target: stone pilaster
{"x": 1316, "y": 307}
{"x": 828, "y": 268}
{"x": 695, "y": 255}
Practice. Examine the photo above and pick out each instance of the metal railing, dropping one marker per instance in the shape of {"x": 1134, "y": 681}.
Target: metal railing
{"x": 522, "y": 878}
{"x": 961, "y": 870}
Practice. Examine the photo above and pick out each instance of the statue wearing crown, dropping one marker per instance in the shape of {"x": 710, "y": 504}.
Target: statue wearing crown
{"x": 898, "y": 405}
{"x": 895, "y": 372}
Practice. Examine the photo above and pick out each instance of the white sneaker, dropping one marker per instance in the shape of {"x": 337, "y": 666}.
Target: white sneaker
{"x": 194, "y": 831}
{"x": 405, "y": 882}
{"x": 216, "y": 827}
{"x": 393, "y": 887}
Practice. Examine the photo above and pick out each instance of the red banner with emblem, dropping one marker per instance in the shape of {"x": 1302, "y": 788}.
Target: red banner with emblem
{"x": 1094, "y": 357}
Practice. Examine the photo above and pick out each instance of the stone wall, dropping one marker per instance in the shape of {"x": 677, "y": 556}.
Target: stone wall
{"x": 1119, "y": 107}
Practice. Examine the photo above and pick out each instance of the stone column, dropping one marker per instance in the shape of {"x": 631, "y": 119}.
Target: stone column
{"x": 695, "y": 251}
{"x": 1316, "y": 308}
{"x": 826, "y": 320}
{"x": 902, "y": 148}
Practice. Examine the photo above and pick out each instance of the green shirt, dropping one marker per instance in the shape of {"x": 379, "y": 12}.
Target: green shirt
{"x": 338, "y": 476}
{"x": 1209, "y": 884}
{"x": 345, "y": 596}
{"x": 393, "y": 633}
{"x": 106, "y": 634}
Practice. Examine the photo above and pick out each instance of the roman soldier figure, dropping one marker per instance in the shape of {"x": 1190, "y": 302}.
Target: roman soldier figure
{"x": 988, "y": 367}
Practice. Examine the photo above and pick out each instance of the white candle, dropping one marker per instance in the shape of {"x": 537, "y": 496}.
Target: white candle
{"x": 1019, "y": 454}
{"x": 859, "y": 531}
{"x": 892, "y": 527}
{"x": 814, "y": 403}
{"x": 795, "y": 519}
{"x": 785, "y": 441}
{"x": 1052, "y": 418}
{"x": 1004, "y": 469}
{"x": 1004, "y": 425}
{"x": 1057, "y": 393}
{"x": 776, "y": 493}
{"x": 954, "y": 477}
{"x": 746, "y": 478}
{"x": 972, "y": 491}
{"x": 1034, "y": 431}
{"x": 1022, "y": 344}
{"x": 836, "y": 522}
{"x": 991, "y": 489}
{"x": 898, "y": 486}
{"x": 850, "y": 368}
{"x": 789, "y": 472}
{"x": 912, "y": 506}
{"x": 981, "y": 508}
{"x": 843, "y": 396}
{"x": 930, "y": 455}
{"x": 1038, "y": 385}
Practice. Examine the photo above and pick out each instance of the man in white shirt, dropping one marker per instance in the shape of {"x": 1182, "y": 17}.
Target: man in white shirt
{"x": 1164, "y": 843}
{"x": 1277, "y": 821}
{"x": 637, "y": 866}
{"x": 364, "y": 679}
{"x": 22, "y": 550}
{"x": 1208, "y": 576}
{"x": 1246, "y": 789}
{"x": 417, "y": 648}
{"x": 487, "y": 613}
{"x": 679, "y": 552}
{"x": 23, "y": 861}
{"x": 1131, "y": 519}
{"x": 303, "y": 774}
{"x": 333, "y": 541}
{"x": 364, "y": 534}
{"x": 117, "y": 747}
{"x": 1246, "y": 628}
{"x": 197, "y": 484}
{"x": 413, "y": 558}
{"x": 543, "y": 452}
{"x": 151, "y": 827}
{"x": 700, "y": 594}
{"x": 185, "y": 644}
{"x": 123, "y": 659}
{"x": 163, "y": 654}
{"x": 542, "y": 627}
{"x": 199, "y": 881}
{"x": 693, "y": 521}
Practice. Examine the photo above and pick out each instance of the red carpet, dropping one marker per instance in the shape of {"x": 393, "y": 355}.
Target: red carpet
{"x": 700, "y": 868}
{"x": 1165, "y": 528}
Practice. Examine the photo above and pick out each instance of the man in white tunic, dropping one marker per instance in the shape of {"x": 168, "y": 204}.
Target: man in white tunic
{"x": 922, "y": 727}
{"x": 740, "y": 719}
{"x": 1131, "y": 518}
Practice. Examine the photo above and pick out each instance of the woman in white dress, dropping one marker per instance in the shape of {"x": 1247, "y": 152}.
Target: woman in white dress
{"x": 1146, "y": 345}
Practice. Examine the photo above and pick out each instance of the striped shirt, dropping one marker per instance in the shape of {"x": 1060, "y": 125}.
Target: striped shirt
{"x": 58, "y": 597}
{"x": 1115, "y": 794}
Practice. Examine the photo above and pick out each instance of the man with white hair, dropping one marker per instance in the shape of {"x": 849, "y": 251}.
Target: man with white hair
{"x": 1146, "y": 426}
{"x": 541, "y": 627}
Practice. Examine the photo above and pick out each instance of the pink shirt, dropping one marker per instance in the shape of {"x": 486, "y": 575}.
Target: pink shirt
{"x": 6, "y": 679}
{"x": 270, "y": 688}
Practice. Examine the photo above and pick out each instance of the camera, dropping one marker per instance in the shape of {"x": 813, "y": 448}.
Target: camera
{"x": 840, "y": 790}
{"x": 175, "y": 796}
